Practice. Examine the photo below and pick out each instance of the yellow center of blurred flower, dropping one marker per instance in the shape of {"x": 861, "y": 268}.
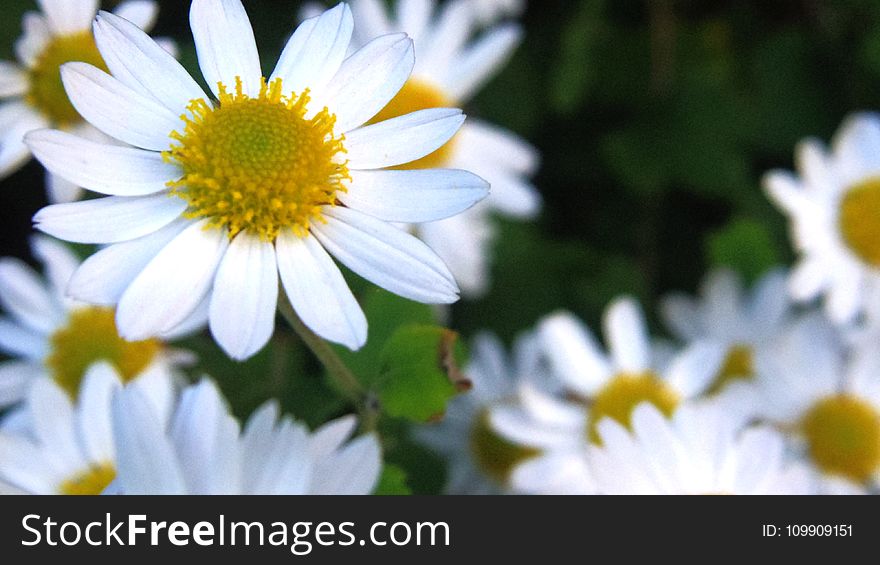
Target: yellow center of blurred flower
{"x": 258, "y": 165}
{"x": 91, "y": 481}
{"x": 416, "y": 95}
{"x": 843, "y": 434}
{"x": 860, "y": 220}
{"x": 46, "y": 92}
{"x": 495, "y": 455}
{"x": 738, "y": 365}
{"x": 620, "y": 396}
{"x": 90, "y": 336}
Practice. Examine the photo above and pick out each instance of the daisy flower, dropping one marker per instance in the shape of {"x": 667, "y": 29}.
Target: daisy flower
{"x": 479, "y": 460}
{"x": 205, "y": 451}
{"x": 53, "y": 337}
{"x": 596, "y": 385}
{"x": 449, "y": 70}
{"x": 70, "y": 449}
{"x": 31, "y": 90}
{"x": 219, "y": 196}
{"x": 827, "y": 398}
{"x": 833, "y": 204}
{"x": 725, "y": 313}
{"x": 697, "y": 451}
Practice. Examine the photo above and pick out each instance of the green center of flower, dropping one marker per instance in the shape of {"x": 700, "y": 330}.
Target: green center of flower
{"x": 91, "y": 481}
{"x": 416, "y": 95}
{"x": 258, "y": 165}
{"x": 46, "y": 92}
{"x": 859, "y": 220}
{"x": 738, "y": 365}
{"x": 495, "y": 455}
{"x": 620, "y": 396}
{"x": 843, "y": 434}
{"x": 90, "y": 336}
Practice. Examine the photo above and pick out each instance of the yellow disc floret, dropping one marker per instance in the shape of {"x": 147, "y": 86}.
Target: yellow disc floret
{"x": 89, "y": 336}
{"x": 620, "y": 396}
{"x": 417, "y": 95}
{"x": 91, "y": 481}
{"x": 46, "y": 92}
{"x": 495, "y": 455}
{"x": 858, "y": 221}
{"x": 258, "y": 165}
{"x": 843, "y": 435}
{"x": 738, "y": 365}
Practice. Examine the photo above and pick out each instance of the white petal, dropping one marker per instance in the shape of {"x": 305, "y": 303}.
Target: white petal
{"x": 118, "y": 110}
{"x": 103, "y": 277}
{"x": 24, "y": 295}
{"x": 242, "y": 311}
{"x": 354, "y": 470}
{"x": 573, "y": 353}
{"x": 67, "y": 17}
{"x": 225, "y": 44}
{"x": 680, "y": 315}
{"x": 60, "y": 190}
{"x": 413, "y": 196}
{"x": 318, "y": 292}
{"x": 16, "y": 378}
{"x": 141, "y": 64}
{"x": 330, "y": 436}
{"x": 563, "y": 473}
{"x": 59, "y": 264}
{"x": 692, "y": 370}
{"x": 19, "y": 341}
{"x": 451, "y": 30}
{"x": 315, "y": 51}
{"x": 372, "y": 20}
{"x": 142, "y": 13}
{"x": 108, "y": 169}
{"x": 34, "y": 39}
{"x": 52, "y": 416}
{"x": 13, "y": 80}
{"x": 171, "y": 286}
{"x": 464, "y": 243}
{"x": 16, "y": 120}
{"x": 368, "y": 80}
{"x": 402, "y": 139}
{"x": 482, "y": 60}
{"x": 93, "y": 414}
{"x": 386, "y": 256}
{"x": 413, "y": 16}
{"x": 502, "y": 148}
{"x": 511, "y": 195}
{"x": 627, "y": 336}
{"x": 109, "y": 220}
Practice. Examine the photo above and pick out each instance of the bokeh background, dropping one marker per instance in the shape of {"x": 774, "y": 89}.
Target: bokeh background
{"x": 655, "y": 119}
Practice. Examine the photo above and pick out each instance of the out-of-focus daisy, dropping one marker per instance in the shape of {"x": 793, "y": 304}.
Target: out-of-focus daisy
{"x": 51, "y": 336}
{"x": 833, "y": 205}
{"x": 205, "y": 451}
{"x": 479, "y": 461}
{"x": 32, "y": 93}
{"x": 219, "y": 197}
{"x": 827, "y": 398}
{"x": 449, "y": 70}
{"x": 490, "y": 11}
{"x": 726, "y": 314}
{"x": 700, "y": 450}
{"x": 70, "y": 449}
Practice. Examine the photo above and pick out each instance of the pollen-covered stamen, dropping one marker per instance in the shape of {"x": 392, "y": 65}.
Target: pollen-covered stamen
{"x": 89, "y": 336}
{"x": 843, "y": 436}
{"x": 414, "y": 96}
{"x": 738, "y": 365}
{"x": 859, "y": 211}
{"x": 620, "y": 396}
{"x": 90, "y": 481}
{"x": 495, "y": 455}
{"x": 258, "y": 165}
{"x": 46, "y": 92}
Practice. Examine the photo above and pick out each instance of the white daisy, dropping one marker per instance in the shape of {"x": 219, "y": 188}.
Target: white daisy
{"x": 205, "y": 451}
{"x": 697, "y": 451}
{"x": 51, "y": 336}
{"x": 70, "y": 449}
{"x": 827, "y": 398}
{"x": 597, "y": 385}
{"x": 725, "y": 313}
{"x": 479, "y": 461}
{"x": 31, "y": 90}
{"x": 833, "y": 206}
{"x": 449, "y": 70}
{"x": 219, "y": 197}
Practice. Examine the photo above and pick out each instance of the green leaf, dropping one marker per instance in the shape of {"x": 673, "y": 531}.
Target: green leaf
{"x": 744, "y": 245}
{"x": 392, "y": 481}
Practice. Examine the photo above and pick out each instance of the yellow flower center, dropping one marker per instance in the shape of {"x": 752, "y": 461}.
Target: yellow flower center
{"x": 416, "y": 95}
{"x": 859, "y": 220}
{"x": 620, "y": 396}
{"x": 258, "y": 164}
{"x": 90, "y": 336}
{"x": 91, "y": 481}
{"x": 46, "y": 92}
{"x": 738, "y": 365}
{"x": 495, "y": 455}
{"x": 843, "y": 434}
